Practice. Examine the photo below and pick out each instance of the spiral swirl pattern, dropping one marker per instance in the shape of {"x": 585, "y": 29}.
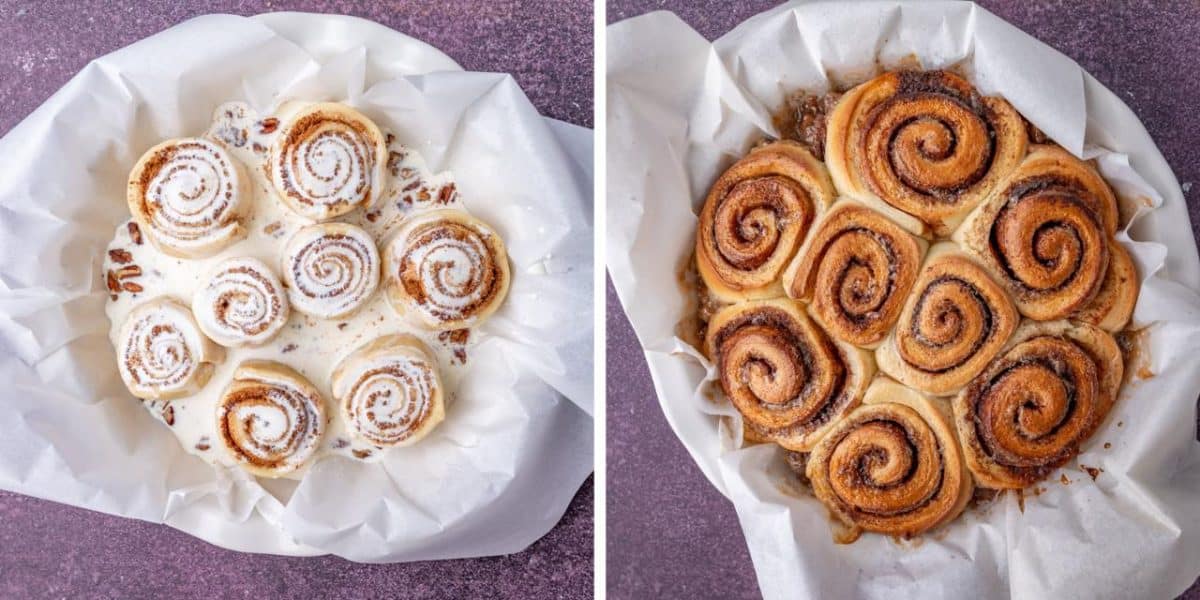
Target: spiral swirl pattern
{"x": 328, "y": 161}
{"x": 892, "y": 466}
{"x": 956, "y": 320}
{"x": 756, "y": 217}
{"x": 389, "y": 391}
{"x": 923, "y": 142}
{"x": 855, "y": 270}
{"x": 448, "y": 269}
{"x": 188, "y": 196}
{"x": 787, "y": 379}
{"x": 270, "y": 418}
{"x": 1046, "y": 234}
{"x": 242, "y": 303}
{"x": 331, "y": 269}
{"x": 162, "y": 353}
{"x": 1032, "y": 408}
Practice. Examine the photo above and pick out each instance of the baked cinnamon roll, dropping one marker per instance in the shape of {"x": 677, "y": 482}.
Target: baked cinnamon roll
{"x": 923, "y": 146}
{"x": 446, "y": 269}
{"x": 190, "y": 196}
{"x": 955, "y": 321}
{"x": 755, "y": 218}
{"x": 389, "y": 391}
{"x": 330, "y": 269}
{"x": 1113, "y": 305}
{"x": 788, "y": 380}
{"x": 328, "y": 160}
{"x": 855, "y": 271}
{"x": 241, "y": 303}
{"x": 1046, "y": 233}
{"x": 270, "y": 419}
{"x": 1032, "y": 408}
{"x": 893, "y": 466}
{"x": 162, "y": 354}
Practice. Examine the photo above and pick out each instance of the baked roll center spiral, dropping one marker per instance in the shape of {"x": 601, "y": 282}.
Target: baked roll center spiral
{"x": 270, "y": 418}
{"x": 389, "y": 391}
{"x": 162, "y": 354}
{"x": 331, "y": 269}
{"x": 241, "y": 303}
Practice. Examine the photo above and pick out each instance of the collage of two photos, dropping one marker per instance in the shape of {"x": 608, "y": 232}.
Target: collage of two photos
{"x": 610, "y": 299}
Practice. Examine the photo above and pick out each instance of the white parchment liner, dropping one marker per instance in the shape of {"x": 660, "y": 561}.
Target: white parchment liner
{"x": 680, "y": 110}
{"x": 517, "y": 442}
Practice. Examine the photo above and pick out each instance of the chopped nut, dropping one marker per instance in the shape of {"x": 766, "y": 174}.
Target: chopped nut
{"x": 129, "y": 271}
{"x": 342, "y": 325}
{"x": 288, "y": 348}
{"x": 271, "y": 228}
{"x": 340, "y": 443}
{"x": 111, "y": 280}
{"x": 112, "y": 297}
{"x": 120, "y": 256}
{"x": 412, "y": 186}
{"x": 135, "y": 233}
{"x": 373, "y": 216}
{"x": 258, "y": 148}
{"x": 268, "y": 125}
{"x": 130, "y": 286}
{"x": 424, "y": 195}
{"x": 446, "y": 194}
{"x": 168, "y": 414}
{"x": 388, "y": 139}
{"x": 203, "y": 444}
{"x": 360, "y": 454}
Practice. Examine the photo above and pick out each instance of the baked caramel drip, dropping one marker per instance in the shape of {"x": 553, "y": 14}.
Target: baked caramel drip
{"x": 886, "y": 469}
{"x": 1029, "y": 411}
{"x": 270, "y": 425}
{"x": 450, "y": 270}
{"x": 756, "y": 216}
{"x": 956, "y": 320}
{"x": 781, "y": 373}
{"x": 390, "y": 402}
{"x": 856, "y": 271}
{"x": 327, "y": 160}
{"x": 928, "y": 144}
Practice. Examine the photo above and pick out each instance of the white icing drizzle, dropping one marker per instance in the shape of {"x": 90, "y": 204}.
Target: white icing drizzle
{"x": 162, "y": 352}
{"x": 241, "y": 303}
{"x": 388, "y": 395}
{"x": 270, "y": 421}
{"x": 331, "y": 269}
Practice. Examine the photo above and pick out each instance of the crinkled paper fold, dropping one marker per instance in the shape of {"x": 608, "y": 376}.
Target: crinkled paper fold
{"x": 517, "y": 441}
{"x": 680, "y": 110}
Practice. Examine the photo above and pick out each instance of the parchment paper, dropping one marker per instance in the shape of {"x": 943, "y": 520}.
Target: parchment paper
{"x": 680, "y": 110}
{"x": 517, "y": 441}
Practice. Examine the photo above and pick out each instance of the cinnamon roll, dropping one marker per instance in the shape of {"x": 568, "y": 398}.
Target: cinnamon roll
{"x": 330, "y": 269}
{"x": 447, "y": 269}
{"x": 242, "y": 303}
{"x": 955, "y": 322}
{"x": 190, "y": 196}
{"x": 389, "y": 391}
{"x": 855, "y": 271}
{"x": 755, "y": 218}
{"x": 893, "y": 466}
{"x": 162, "y": 354}
{"x": 1114, "y": 302}
{"x": 270, "y": 419}
{"x": 1032, "y": 408}
{"x": 1046, "y": 233}
{"x": 788, "y": 380}
{"x": 923, "y": 146}
{"x": 328, "y": 160}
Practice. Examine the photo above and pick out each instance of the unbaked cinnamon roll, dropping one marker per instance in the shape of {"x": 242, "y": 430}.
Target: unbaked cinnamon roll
{"x": 923, "y": 146}
{"x": 389, "y": 391}
{"x": 270, "y": 418}
{"x": 446, "y": 269}
{"x": 241, "y": 303}
{"x": 328, "y": 160}
{"x": 893, "y": 466}
{"x": 788, "y": 380}
{"x": 1114, "y": 302}
{"x": 755, "y": 218}
{"x": 162, "y": 354}
{"x": 330, "y": 269}
{"x": 1032, "y": 408}
{"x": 855, "y": 271}
{"x": 955, "y": 321}
{"x": 190, "y": 196}
{"x": 1046, "y": 233}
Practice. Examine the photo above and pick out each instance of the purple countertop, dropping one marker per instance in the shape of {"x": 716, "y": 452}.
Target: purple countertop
{"x": 670, "y": 533}
{"x": 52, "y": 550}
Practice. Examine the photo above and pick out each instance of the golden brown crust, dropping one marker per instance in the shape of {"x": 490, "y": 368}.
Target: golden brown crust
{"x": 1033, "y": 407}
{"x": 892, "y": 466}
{"x": 788, "y": 380}
{"x": 1114, "y": 302}
{"x": 955, "y": 321}
{"x": 855, "y": 271}
{"x": 922, "y": 146}
{"x": 756, "y": 216}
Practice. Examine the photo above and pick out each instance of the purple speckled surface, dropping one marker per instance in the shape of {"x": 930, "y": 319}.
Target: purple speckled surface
{"x": 670, "y": 533}
{"x": 56, "y": 551}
